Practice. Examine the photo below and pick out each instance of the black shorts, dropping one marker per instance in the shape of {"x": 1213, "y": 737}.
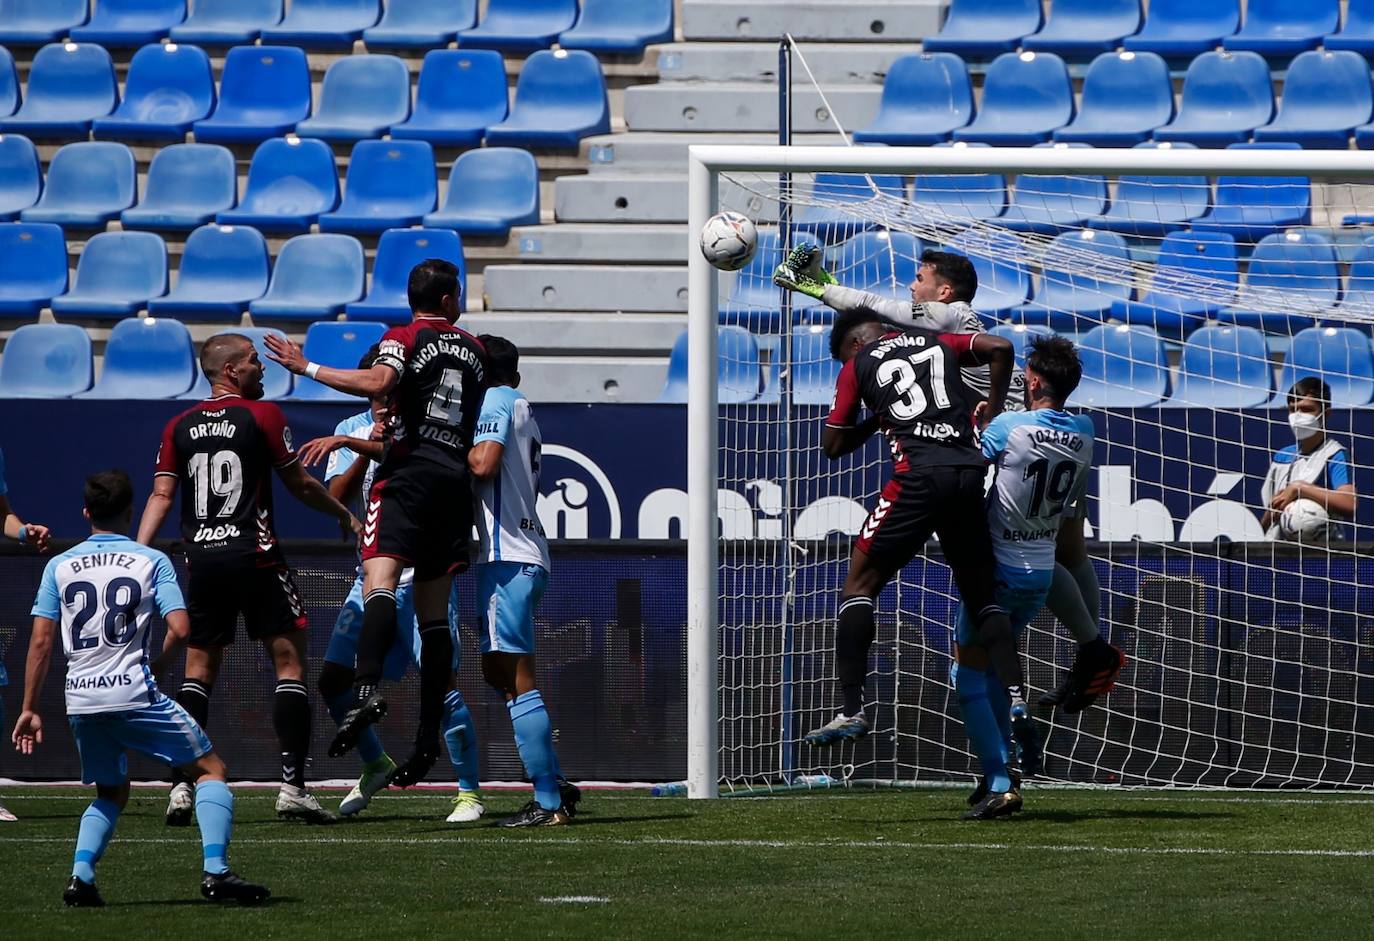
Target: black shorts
{"x": 218, "y": 592}
{"x": 421, "y": 513}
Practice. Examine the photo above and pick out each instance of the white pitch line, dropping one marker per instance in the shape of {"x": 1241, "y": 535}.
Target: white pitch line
{"x": 574, "y": 899}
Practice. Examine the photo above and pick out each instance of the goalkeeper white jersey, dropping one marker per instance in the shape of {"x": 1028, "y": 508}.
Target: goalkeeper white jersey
{"x": 508, "y": 504}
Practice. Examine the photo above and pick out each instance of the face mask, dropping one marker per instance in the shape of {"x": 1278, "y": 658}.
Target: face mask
{"x": 1304, "y": 424}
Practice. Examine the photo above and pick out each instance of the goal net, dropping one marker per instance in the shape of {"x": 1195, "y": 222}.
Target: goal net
{"x": 1199, "y": 286}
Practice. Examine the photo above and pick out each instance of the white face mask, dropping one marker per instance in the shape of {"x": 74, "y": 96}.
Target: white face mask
{"x": 1304, "y": 424}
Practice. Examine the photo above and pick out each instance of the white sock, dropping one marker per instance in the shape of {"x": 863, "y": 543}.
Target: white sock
{"x": 1067, "y": 602}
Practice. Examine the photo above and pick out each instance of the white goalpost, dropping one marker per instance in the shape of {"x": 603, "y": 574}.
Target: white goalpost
{"x": 1249, "y": 656}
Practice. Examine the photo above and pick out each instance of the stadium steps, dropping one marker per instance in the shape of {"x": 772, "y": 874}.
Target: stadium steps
{"x": 620, "y": 243}
{"x": 745, "y": 106}
{"x": 827, "y": 20}
{"x": 576, "y": 288}
{"x": 592, "y": 378}
{"x": 666, "y": 152}
{"x": 544, "y": 334}
{"x": 832, "y": 63}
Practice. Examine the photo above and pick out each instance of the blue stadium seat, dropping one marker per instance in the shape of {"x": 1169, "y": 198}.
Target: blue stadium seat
{"x": 38, "y": 22}
{"x": 21, "y": 178}
{"x": 831, "y": 223}
{"x": 882, "y": 262}
{"x": 1226, "y": 95}
{"x": 753, "y": 301}
{"x": 361, "y": 98}
{"x": 187, "y": 185}
{"x": 340, "y": 345}
{"x": 398, "y": 251}
{"x": 1026, "y": 97}
{"x": 1081, "y": 28}
{"x": 459, "y": 95}
{"x": 222, "y": 269}
{"x": 168, "y": 89}
{"x": 1359, "y": 283}
{"x": 128, "y": 23}
{"x": 33, "y": 267}
{"x": 290, "y": 182}
{"x": 146, "y": 358}
{"x": 1154, "y": 206}
{"x": 1357, "y": 35}
{"x": 560, "y": 98}
{"x": 70, "y": 84}
{"x": 1123, "y": 367}
{"x": 1339, "y": 355}
{"x": 1185, "y": 28}
{"x": 314, "y": 277}
{"x": 390, "y": 184}
{"x": 1196, "y": 274}
{"x": 116, "y": 276}
{"x": 620, "y": 27}
{"x": 89, "y": 183}
{"x": 276, "y": 381}
{"x": 1081, "y": 278}
{"x": 490, "y": 190}
{"x": 981, "y": 29}
{"x": 1003, "y": 268}
{"x": 421, "y": 24}
{"x": 520, "y": 25}
{"x": 1223, "y": 367}
{"x": 1326, "y": 95}
{"x": 10, "y": 96}
{"x": 264, "y": 91}
{"x": 227, "y": 22}
{"x": 926, "y": 97}
{"x": 973, "y": 196}
{"x": 324, "y": 24}
{"x": 1126, "y": 95}
{"x": 46, "y": 361}
{"x": 1020, "y": 335}
{"x": 1049, "y": 204}
{"x": 738, "y": 368}
{"x": 1282, "y": 28}
{"x": 1251, "y": 207}
{"x": 1293, "y": 280}
{"x": 814, "y": 370}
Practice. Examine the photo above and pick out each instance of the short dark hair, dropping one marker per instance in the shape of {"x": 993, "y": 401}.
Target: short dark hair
{"x": 1310, "y": 387}
{"x": 1055, "y": 360}
{"x": 221, "y": 350}
{"x": 955, "y": 270}
{"x": 108, "y": 495}
{"x": 430, "y": 281}
{"x": 847, "y": 323}
{"x": 503, "y": 358}
{"x": 370, "y": 357}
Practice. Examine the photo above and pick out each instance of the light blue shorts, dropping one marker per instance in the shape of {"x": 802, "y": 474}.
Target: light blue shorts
{"x": 1020, "y": 593}
{"x": 507, "y": 594}
{"x": 343, "y": 643}
{"x": 164, "y": 731}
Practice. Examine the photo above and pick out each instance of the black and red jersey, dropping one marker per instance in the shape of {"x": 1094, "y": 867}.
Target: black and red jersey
{"x": 912, "y": 382}
{"x": 223, "y": 452}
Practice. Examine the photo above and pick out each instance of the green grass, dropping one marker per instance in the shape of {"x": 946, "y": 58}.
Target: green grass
{"x": 880, "y": 864}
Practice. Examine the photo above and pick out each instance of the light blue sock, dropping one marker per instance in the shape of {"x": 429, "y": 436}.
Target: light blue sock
{"x": 460, "y": 734}
{"x": 980, "y": 724}
{"x": 215, "y": 814}
{"x": 369, "y": 745}
{"x": 1001, "y": 707}
{"x": 534, "y": 739}
{"x": 97, "y": 826}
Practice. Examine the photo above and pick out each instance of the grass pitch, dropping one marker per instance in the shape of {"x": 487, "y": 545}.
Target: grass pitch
{"x": 860, "y": 865}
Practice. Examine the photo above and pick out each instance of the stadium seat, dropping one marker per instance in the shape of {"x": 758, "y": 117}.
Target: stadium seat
{"x": 620, "y": 27}
{"x": 814, "y": 370}
{"x": 227, "y": 22}
{"x": 520, "y": 25}
{"x": 1003, "y": 269}
{"x": 560, "y": 98}
{"x": 33, "y": 268}
{"x": 926, "y": 97}
{"x": 314, "y": 277}
{"x": 1293, "y": 280}
{"x": 1223, "y": 367}
{"x": 10, "y": 96}
{"x": 459, "y": 95}
{"x": 169, "y": 88}
{"x": 89, "y": 183}
{"x": 1251, "y": 207}
{"x": 1020, "y": 335}
{"x": 1282, "y": 29}
{"x": 754, "y": 300}
{"x": 1081, "y": 28}
{"x": 290, "y": 182}
{"x": 390, "y": 184}
{"x": 1154, "y": 206}
{"x": 264, "y": 91}
{"x": 490, "y": 190}
{"x": 1226, "y": 95}
{"x": 882, "y": 262}
{"x": 831, "y": 223}
{"x": 324, "y": 24}
{"x": 70, "y": 85}
{"x": 340, "y": 345}
{"x": 1339, "y": 355}
{"x": 1326, "y": 95}
{"x": 1123, "y": 367}
{"x": 1126, "y": 96}
{"x": 146, "y": 358}
{"x": 1359, "y": 284}
{"x": 1185, "y": 28}
{"x": 398, "y": 251}
{"x": 46, "y": 361}
{"x": 421, "y": 24}
{"x": 1083, "y": 273}
{"x": 122, "y": 24}
{"x": 1026, "y": 97}
{"x": 1196, "y": 274}
{"x": 738, "y": 368}
{"x": 1357, "y": 35}
{"x": 222, "y": 269}
{"x": 187, "y": 185}
{"x": 361, "y": 98}
{"x": 38, "y": 22}
{"x": 949, "y": 197}
{"x": 1048, "y": 204}
{"x": 276, "y": 380}
{"x": 21, "y": 178}
{"x": 981, "y": 29}
{"x": 116, "y": 276}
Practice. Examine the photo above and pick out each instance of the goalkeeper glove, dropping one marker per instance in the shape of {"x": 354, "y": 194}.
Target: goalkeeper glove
{"x": 801, "y": 271}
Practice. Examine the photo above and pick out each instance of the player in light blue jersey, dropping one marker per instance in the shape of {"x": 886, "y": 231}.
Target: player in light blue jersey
{"x": 100, "y": 596}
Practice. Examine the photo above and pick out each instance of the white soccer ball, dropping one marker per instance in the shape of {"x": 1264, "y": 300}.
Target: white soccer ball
{"x": 1304, "y": 521}
{"x": 729, "y": 240}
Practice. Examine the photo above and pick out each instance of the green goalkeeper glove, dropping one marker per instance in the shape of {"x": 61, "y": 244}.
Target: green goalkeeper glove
{"x": 801, "y": 271}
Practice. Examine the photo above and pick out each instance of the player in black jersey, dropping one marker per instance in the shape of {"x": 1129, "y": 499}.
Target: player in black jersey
{"x": 419, "y": 512}
{"x": 221, "y": 454}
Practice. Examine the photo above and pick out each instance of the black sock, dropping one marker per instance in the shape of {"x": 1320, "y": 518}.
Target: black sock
{"x": 853, "y": 637}
{"x": 291, "y": 719}
{"x": 376, "y": 637}
{"x": 194, "y": 697}
{"x": 436, "y": 675}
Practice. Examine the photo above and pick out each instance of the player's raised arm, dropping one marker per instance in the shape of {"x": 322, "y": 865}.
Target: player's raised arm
{"x": 802, "y": 271}
{"x": 998, "y": 354}
{"x": 374, "y": 383}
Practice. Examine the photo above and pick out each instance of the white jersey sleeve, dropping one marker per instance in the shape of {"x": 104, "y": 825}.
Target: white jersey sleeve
{"x": 846, "y": 299}
{"x": 508, "y": 524}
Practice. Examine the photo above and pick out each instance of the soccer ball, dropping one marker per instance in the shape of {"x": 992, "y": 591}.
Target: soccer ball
{"x": 728, "y": 241}
{"x": 1304, "y": 521}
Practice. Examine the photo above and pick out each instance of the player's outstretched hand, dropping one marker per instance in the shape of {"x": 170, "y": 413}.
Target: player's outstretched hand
{"x": 801, "y": 271}
{"x": 38, "y": 536}
{"x": 317, "y": 450}
{"x": 285, "y": 352}
{"x": 28, "y": 732}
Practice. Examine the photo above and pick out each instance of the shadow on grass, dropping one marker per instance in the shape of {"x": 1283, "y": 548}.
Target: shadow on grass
{"x": 202, "y": 903}
{"x": 580, "y": 823}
